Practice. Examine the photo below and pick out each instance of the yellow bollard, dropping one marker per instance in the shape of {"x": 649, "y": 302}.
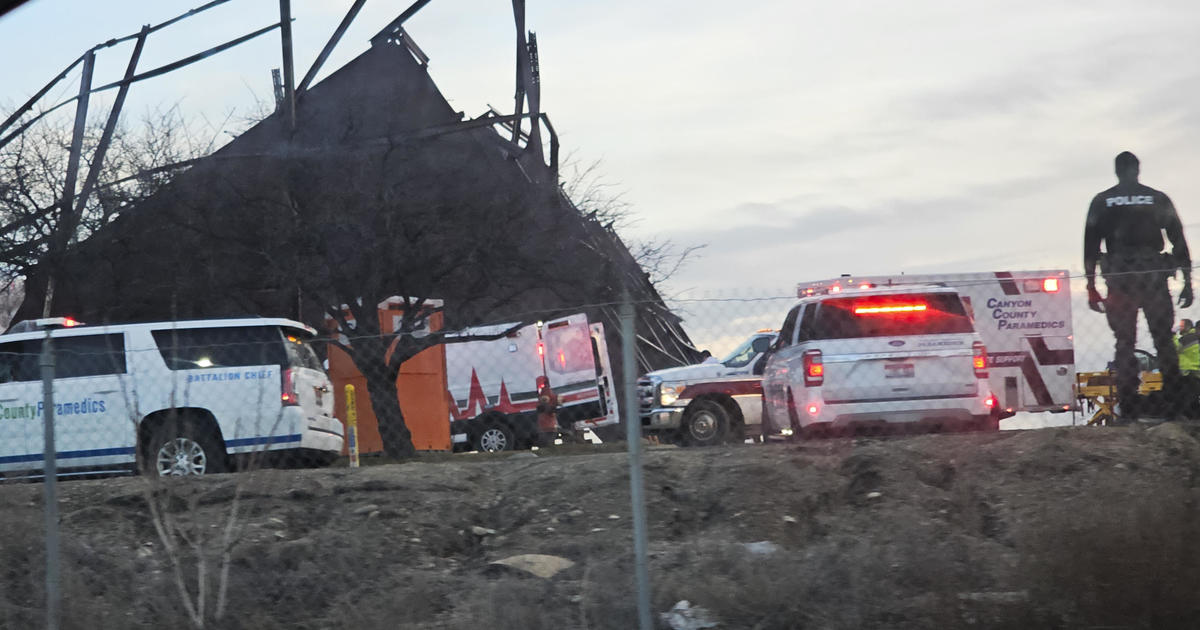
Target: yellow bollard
{"x": 352, "y": 426}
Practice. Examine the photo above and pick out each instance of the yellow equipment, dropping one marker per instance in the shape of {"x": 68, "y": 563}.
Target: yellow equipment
{"x": 1099, "y": 391}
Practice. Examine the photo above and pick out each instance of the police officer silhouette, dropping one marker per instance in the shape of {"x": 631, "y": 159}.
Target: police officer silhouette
{"x": 1129, "y": 219}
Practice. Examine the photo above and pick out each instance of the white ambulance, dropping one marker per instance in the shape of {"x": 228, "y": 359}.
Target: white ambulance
{"x": 1024, "y": 320}
{"x": 493, "y": 385}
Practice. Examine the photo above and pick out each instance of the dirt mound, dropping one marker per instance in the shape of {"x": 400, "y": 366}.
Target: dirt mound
{"x": 1071, "y": 527}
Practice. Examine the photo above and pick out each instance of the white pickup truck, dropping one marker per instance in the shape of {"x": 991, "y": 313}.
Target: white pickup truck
{"x": 707, "y": 403}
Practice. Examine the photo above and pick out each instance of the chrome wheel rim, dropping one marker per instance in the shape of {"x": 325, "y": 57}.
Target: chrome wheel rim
{"x": 703, "y": 425}
{"x": 181, "y": 457}
{"x": 492, "y": 440}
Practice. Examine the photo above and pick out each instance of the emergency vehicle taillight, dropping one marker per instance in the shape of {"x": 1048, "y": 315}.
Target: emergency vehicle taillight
{"x": 541, "y": 350}
{"x": 979, "y": 359}
{"x": 1050, "y": 285}
{"x": 69, "y": 322}
{"x": 814, "y": 369}
{"x": 891, "y": 308}
{"x": 288, "y": 394}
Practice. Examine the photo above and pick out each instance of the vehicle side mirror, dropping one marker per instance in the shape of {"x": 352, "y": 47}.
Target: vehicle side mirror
{"x": 761, "y": 344}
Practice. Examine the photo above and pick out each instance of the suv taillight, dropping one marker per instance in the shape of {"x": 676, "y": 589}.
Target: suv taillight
{"x": 979, "y": 359}
{"x": 814, "y": 370}
{"x": 288, "y": 394}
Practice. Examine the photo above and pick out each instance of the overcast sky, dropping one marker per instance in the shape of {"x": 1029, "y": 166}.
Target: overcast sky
{"x": 797, "y": 140}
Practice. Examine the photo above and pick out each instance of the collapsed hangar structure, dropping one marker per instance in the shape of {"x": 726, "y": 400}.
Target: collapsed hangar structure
{"x": 175, "y": 254}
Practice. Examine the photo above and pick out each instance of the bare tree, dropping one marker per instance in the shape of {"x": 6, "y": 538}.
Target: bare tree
{"x": 33, "y": 175}
{"x": 603, "y": 201}
{"x": 344, "y": 229}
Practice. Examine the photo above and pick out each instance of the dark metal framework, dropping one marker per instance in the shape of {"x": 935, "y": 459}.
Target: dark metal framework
{"x": 72, "y": 204}
{"x": 522, "y": 143}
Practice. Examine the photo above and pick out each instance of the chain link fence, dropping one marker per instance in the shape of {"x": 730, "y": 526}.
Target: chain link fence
{"x": 262, "y": 398}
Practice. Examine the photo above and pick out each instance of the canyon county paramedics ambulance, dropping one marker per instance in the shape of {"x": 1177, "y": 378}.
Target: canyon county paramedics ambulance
{"x": 1024, "y": 319}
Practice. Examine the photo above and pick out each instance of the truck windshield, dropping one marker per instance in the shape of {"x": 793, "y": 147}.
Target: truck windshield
{"x": 742, "y": 356}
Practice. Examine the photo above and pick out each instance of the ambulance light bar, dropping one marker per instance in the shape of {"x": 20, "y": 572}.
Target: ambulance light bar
{"x": 831, "y": 286}
{"x": 1040, "y": 285}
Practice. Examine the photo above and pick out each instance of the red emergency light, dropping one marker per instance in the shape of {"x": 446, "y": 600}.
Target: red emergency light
{"x": 1050, "y": 285}
{"x": 892, "y": 308}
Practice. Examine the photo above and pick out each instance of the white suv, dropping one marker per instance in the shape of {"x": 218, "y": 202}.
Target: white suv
{"x": 174, "y": 398}
{"x": 877, "y": 358}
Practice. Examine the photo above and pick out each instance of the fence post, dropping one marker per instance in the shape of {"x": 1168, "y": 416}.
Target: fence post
{"x": 50, "y": 486}
{"x": 633, "y": 438}
{"x": 351, "y": 426}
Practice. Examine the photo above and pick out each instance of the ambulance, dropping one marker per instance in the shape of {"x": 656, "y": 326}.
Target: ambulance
{"x": 495, "y": 387}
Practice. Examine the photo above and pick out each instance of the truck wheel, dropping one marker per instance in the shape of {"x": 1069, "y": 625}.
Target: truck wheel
{"x": 495, "y": 436}
{"x": 706, "y": 423}
{"x": 184, "y": 447}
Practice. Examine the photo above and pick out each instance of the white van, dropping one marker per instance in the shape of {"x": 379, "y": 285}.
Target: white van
{"x": 877, "y": 358}
{"x": 168, "y": 398}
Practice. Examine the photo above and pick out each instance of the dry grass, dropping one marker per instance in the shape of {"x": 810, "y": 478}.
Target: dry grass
{"x": 833, "y": 584}
{"x": 1120, "y": 558}
{"x": 956, "y": 537}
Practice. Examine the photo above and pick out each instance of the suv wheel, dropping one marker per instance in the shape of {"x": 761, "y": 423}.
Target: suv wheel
{"x": 705, "y": 424}
{"x": 184, "y": 448}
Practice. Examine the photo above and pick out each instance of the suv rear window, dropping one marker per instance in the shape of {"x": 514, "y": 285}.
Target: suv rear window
{"x": 892, "y": 315}
{"x": 199, "y": 348}
{"x": 300, "y": 354}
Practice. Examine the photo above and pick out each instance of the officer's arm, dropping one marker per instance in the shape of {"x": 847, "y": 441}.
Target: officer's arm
{"x": 1091, "y": 241}
{"x": 1179, "y": 247}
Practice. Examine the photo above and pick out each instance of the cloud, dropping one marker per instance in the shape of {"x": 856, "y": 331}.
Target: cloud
{"x": 994, "y": 225}
{"x": 1014, "y": 93}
